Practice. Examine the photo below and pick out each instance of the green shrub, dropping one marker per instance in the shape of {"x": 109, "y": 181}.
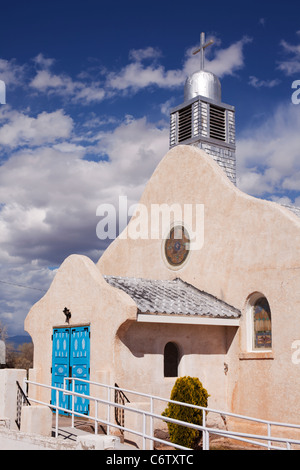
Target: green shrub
{"x": 187, "y": 390}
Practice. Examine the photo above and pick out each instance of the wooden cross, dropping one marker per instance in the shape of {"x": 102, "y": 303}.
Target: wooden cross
{"x": 201, "y": 49}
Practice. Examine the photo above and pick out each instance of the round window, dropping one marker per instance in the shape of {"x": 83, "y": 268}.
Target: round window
{"x": 177, "y": 246}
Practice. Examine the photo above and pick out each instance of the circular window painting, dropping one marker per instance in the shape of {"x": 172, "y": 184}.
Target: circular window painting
{"x": 177, "y": 246}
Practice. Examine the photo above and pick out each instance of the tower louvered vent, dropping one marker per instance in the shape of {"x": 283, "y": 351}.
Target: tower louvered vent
{"x": 185, "y": 124}
{"x": 217, "y": 123}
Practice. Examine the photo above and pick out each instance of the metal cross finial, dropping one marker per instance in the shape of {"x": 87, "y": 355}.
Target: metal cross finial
{"x": 201, "y": 49}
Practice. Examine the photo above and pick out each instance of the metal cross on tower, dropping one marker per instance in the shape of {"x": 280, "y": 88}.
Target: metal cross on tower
{"x": 201, "y": 49}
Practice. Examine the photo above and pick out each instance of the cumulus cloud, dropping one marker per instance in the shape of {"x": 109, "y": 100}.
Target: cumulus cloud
{"x": 291, "y": 63}
{"x": 42, "y": 61}
{"x": 268, "y": 157}
{"x": 49, "y": 195}
{"x": 21, "y": 129}
{"x": 146, "y": 53}
{"x": 65, "y": 86}
{"x": 143, "y": 70}
{"x": 257, "y": 83}
{"x": 136, "y": 75}
{"x": 11, "y": 72}
{"x": 227, "y": 61}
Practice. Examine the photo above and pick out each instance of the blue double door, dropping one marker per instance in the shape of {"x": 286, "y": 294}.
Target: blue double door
{"x": 71, "y": 358}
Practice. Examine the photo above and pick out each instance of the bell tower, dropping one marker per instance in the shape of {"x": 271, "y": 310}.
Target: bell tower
{"x": 203, "y": 120}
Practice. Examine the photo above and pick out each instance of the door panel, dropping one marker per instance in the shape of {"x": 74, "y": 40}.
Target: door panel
{"x": 80, "y": 363}
{"x": 60, "y": 364}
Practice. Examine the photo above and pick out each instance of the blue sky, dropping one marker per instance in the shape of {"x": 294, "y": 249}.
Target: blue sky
{"x": 86, "y": 119}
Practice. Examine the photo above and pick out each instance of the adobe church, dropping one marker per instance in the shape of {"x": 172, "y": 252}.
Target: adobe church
{"x": 153, "y": 309}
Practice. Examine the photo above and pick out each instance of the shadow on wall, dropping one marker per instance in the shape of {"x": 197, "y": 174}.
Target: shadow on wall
{"x": 149, "y": 338}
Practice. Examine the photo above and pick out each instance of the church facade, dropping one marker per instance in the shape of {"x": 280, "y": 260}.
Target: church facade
{"x": 213, "y": 295}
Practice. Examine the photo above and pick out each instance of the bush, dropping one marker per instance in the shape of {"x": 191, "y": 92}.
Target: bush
{"x": 187, "y": 390}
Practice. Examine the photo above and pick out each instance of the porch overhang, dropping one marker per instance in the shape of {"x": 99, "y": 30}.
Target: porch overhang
{"x": 187, "y": 320}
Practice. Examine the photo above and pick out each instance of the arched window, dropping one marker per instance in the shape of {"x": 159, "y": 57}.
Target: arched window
{"x": 261, "y": 322}
{"x": 171, "y": 359}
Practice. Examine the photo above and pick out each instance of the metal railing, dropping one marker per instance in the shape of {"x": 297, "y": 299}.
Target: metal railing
{"x": 22, "y": 400}
{"x": 267, "y": 441}
{"x": 120, "y": 397}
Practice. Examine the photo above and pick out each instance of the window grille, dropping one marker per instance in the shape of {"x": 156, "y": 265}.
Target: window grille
{"x": 217, "y": 123}
{"x": 185, "y": 124}
{"x": 200, "y": 119}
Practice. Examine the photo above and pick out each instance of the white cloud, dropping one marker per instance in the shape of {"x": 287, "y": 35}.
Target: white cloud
{"x": 135, "y": 148}
{"x": 89, "y": 94}
{"x": 146, "y": 53}
{"x": 16, "y": 300}
{"x": 44, "y": 81}
{"x": 49, "y": 194}
{"x": 21, "y": 129}
{"x": 42, "y": 61}
{"x": 133, "y": 77}
{"x": 136, "y": 75}
{"x": 63, "y": 85}
{"x": 268, "y": 156}
{"x": 11, "y": 73}
{"x": 228, "y": 61}
{"x": 257, "y": 83}
{"x": 290, "y": 65}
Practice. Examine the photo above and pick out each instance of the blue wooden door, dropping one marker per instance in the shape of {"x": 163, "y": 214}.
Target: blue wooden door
{"x": 71, "y": 358}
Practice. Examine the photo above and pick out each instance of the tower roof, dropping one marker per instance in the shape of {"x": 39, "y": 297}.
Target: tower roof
{"x": 203, "y": 83}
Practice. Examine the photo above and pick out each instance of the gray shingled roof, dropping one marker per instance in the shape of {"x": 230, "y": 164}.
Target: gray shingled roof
{"x": 294, "y": 209}
{"x": 172, "y": 297}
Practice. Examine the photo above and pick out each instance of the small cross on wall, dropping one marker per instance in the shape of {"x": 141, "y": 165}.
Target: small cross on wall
{"x": 67, "y": 313}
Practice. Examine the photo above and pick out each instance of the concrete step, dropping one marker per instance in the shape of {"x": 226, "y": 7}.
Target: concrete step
{"x": 101, "y": 442}
{"x": 67, "y": 432}
{"x": 87, "y": 441}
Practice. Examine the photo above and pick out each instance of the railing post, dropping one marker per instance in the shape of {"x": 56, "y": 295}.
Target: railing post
{"x": 151, "y": 423}
{"x": 56, "y": 413}
{"x": 73, "y": 402}
{"x": 144, "y": 431}
{"x": 269, "y": 435}
{"x": 96, "y": 416}
{"x": 205, "y": 439}
{"x": 25, "y": 387}
{"x": 108, "y": 412}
